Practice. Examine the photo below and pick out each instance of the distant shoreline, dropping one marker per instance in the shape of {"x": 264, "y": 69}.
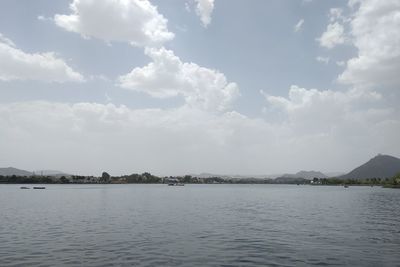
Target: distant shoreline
{"x": 148, "y": 178}
{"x": 111, "y": 184}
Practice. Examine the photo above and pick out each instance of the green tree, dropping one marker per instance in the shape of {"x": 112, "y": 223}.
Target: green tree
{"x": 64, "y": 180}
{"x": 105, "y": 177}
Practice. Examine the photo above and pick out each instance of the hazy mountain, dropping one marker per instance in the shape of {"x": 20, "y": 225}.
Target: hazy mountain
{"x": 305, "y": 175}
{"x": 334, "y": 174}
{"x": 381, "y": 166}
{"x": 301, "y": 174}
{"x": 13, "y": 171}
{"x": 51, "y": 173}
{"x": 207, "y": 175}
{"x": 227, "y": 176}
{"x": 310, "y": 174}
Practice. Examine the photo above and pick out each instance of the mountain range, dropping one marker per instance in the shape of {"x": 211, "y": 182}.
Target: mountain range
{"x": 9, "y": 171}
{"x": 380, "y": 166}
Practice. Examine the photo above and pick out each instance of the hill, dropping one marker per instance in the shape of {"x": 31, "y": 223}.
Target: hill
{"x": 310, "y": 174}
{"x": 305, "y": 175}
{"x": 13, "y": 171}
{"x": 381, "y": 166}
{"x": 53, "y": 173}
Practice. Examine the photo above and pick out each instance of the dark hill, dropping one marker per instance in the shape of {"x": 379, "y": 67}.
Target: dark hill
{"x": 381, "y": 166}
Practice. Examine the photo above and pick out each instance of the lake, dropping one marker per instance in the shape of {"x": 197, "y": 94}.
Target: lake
{"x": 199, "y": 225}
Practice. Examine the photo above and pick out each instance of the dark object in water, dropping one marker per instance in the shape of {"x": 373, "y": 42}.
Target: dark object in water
{"x": 24, "y": 187}
{"x": 39, "y": 187}
{"x": 346, "y": 186}
{"x": 176, "y": 184}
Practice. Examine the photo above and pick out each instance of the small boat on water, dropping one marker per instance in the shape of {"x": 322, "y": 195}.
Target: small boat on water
{"x": 24, "y": 187}
{"x": 176, "y": 184}
{"x": 346, "y": 186}
{"x": 39, "y": 187}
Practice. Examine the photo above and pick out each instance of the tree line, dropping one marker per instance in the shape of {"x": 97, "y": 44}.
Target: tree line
{"x": 148, "y": 178}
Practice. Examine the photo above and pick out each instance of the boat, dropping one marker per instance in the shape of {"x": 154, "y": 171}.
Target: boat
{"x": 346, "y": 186}
{"x": 24, "y": 187}
{"x": 176, "y": 184}
{"x": 39, "y": 187}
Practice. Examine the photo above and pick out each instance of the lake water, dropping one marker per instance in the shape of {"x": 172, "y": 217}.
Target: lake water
{"x": 199, "y": 225}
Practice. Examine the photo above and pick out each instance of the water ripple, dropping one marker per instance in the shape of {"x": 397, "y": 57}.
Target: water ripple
{"x": 203, "y": 225}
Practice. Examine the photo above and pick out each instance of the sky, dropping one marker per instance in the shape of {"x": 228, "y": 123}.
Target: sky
{"x": 192, "y": 86}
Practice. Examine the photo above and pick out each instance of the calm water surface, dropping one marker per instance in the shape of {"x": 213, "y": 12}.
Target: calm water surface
{"x": 199, "y": 225}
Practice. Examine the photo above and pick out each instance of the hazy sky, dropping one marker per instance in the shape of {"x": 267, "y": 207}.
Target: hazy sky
{"x": 191, "y": 86}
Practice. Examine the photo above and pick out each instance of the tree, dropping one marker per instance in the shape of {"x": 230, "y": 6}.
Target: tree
{"x": 396, "y": 179}
{"x": 64, "y": 180}
{"x": 105, "y": 177}
{"x": 187, "y": 179}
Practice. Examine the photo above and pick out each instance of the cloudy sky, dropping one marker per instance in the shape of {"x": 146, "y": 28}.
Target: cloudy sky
{"x": 191, "y": 86}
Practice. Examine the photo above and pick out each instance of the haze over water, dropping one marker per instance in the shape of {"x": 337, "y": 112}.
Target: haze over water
{"x": 199, "y": 225}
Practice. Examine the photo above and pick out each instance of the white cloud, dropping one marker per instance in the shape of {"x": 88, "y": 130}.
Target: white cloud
{"x": 308, "y": 129}
{"x": 373, "y": 30}
{"x": 316, "y": 107}
{"x": 341, "y": 63}
{"x": 336, "y": 14}
{"x": 88, "y": 137}
{"x": 108, "y": 98}
{"x": 204, "y": 9}
{"x": 316, "y": 129}
{"x": 168, "y": 76}
{"x": 43, "y": 18}
{"x": 333, "y": 35}
{"x": 351, "y": 120}
{"x": 187, "y": 7}
{"x": 323, "y": 59}
{"x": 6, "y": 41}
{"x": 299, "y": 26}
{"x": 134, "y": 21}
{"x": 375, "y": 33}
{"x": 15, "y": 64}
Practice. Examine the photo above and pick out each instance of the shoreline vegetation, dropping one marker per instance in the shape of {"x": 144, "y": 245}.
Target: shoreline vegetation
{"x": 148, "y": 178}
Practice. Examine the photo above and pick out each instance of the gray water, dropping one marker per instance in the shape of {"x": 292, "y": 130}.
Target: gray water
{"x": 199, "y": 225}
